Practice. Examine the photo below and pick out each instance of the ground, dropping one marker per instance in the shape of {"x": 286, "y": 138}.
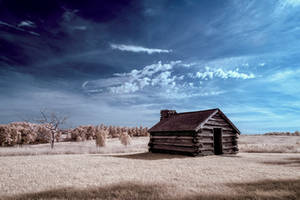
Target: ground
{"x": 269, "y": 144}
{"x": 247, "y": 143}
{"x": 142, "y": 175}
{"x": 151, "y": 176}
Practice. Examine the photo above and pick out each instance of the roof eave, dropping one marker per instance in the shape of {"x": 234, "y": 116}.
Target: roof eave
{"x": 151, "y": 129}
{"x": 200, "y": 126}
{"x": 223, "y": 115}
{"x": 228, "y": 120}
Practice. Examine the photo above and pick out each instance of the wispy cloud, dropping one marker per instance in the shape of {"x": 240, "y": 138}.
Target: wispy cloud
{"x": 262, "y": 64}
{"x": 292, "y": 3}
{"x": 81, "y": 28}
{"x": 223, "y": 74}
{"x": 138, "y": 49}
{"x": 166, "y": 80}
{"x": 284, "y": 82}
{"x": 151, "y": 78}
{"x": 17, "y": 28}
{"x": 283, "y": 75}
{"x": 27, "y": 23}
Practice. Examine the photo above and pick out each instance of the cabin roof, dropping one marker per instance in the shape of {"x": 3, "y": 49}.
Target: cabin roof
{"x": 188, "y": 121}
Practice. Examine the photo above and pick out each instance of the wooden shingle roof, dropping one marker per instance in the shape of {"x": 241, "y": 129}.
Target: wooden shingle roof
{"x": 187, "y": 121}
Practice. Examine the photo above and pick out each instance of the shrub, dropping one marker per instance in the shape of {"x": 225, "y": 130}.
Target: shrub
{"x": 78, "y": 132}
{"x": 78, "y": 139}
{"x": 23, "y": 133}
{"x": 43, "y": 135}
{"x": 125, "y": 139}
{"x": 5, "y": 139}
{"x": 101, "y": 136}
{"x": 90, "y": 132}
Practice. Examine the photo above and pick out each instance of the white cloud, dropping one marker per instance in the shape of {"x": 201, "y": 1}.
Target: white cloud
{"x": 262, "y": 64}
{"x": 84, "y": 84}
{"x": 285, "y": 7}
{"x": 18, "y": 28}
{"x": 69, "y": 15}
{"x": 189, "y": 64}
{"x": 283, "y": 75}
{"x": 223, "y": 74}
{"x": 127, "y": 87}
{"x": 228, "y": 63}
{"x": 181, "y": 77}
{"x": 212, "y": 93}
{"x": 103, "y": 85}
{"x": 149, "y": 70}
{"x": 138, "y": 49}
{"x": 176, "y": 93}
{"x": 26, "y": 23}
{"x": 283, "y": 82}
{"x": 152, "y": 69}
{"x": 157, "y": 74}
{"x": 144, "y": 82}
{"x": 292, "y": 3}
{"x": 81, "y": 28}
{"x": 164, "y": 79}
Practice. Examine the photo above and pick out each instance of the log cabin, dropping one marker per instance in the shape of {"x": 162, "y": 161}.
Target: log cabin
{"x": 200, "y": 133}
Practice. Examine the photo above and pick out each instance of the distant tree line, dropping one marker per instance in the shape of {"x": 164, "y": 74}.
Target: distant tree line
{"x": 89, "y": 132}
{"x": 296, "y": 133}
{"x": 19, "y": 133}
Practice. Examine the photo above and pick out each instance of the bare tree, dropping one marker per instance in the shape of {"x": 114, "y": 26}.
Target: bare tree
{"x": 52, "y": 121}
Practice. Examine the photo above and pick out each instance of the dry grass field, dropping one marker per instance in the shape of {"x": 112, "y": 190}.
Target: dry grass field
{"x": 139, "y": 144}
{"x": 150, "y": 176}
{"x": 247, "y": 143}
{"x": 119, "y": 172}
{"x": 269, "y": 144}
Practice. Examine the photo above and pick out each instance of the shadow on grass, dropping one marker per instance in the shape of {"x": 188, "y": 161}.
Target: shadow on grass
{"x": 159, "y": 156}
{"x": 293, "y": 162}
{"x": 118, "y": 191}
{"x": 261, "y": 190}
{"x": 150, "y": 156}
{"x": 230, "y": 155}
{"x": 268, "y": 189}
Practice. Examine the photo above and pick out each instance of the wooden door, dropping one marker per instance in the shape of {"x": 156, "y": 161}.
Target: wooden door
{"x": 218, "y": 147}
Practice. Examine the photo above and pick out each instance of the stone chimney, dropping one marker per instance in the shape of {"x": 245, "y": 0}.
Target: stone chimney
{"x": 164, "y": 114}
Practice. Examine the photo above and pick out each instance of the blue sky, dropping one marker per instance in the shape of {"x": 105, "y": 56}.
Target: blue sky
{"x": 120, "y": 62}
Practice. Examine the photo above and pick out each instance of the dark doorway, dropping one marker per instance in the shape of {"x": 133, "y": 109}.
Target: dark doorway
{"x": 218, "y": 141}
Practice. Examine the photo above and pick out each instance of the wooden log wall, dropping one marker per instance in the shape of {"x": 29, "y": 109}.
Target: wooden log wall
{"x": 229, "y": 135}
{"x": 206, "y": 138}
{"x": 185, "y": 142}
